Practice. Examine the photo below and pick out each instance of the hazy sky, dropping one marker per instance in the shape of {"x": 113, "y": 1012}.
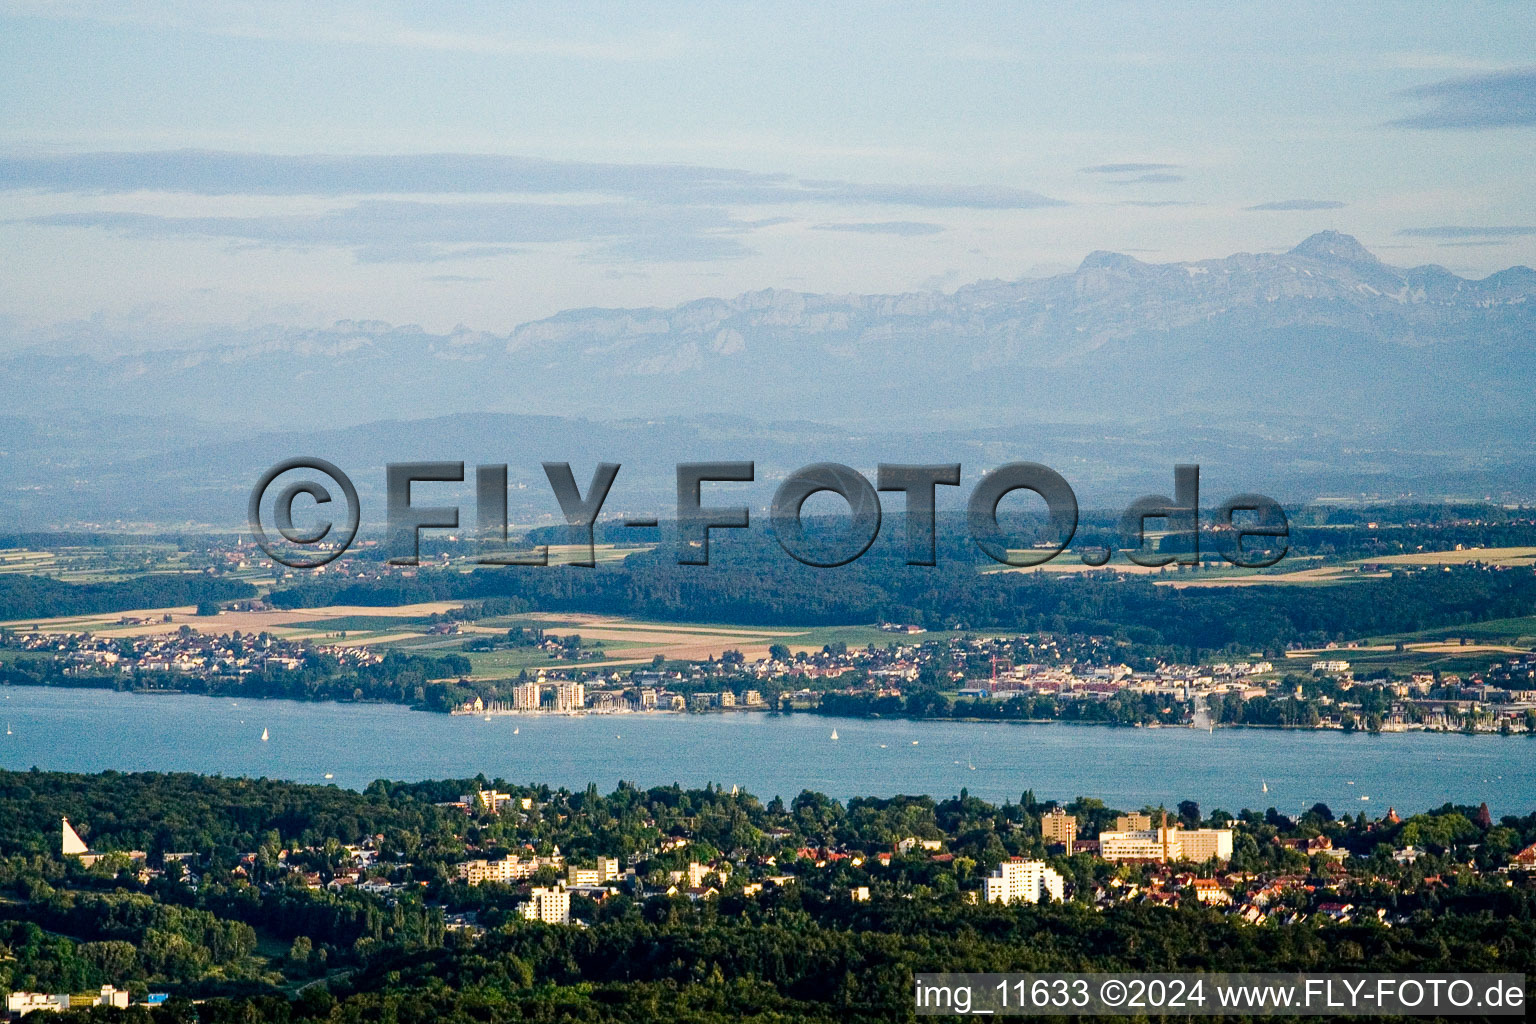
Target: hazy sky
{"x": 169, "y": 167}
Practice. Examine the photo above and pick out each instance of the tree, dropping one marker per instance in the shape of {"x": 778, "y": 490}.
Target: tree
{"x": 207, "y": 608}
{"x": 300, "y": 952}
{"x": 1189, "y": 811}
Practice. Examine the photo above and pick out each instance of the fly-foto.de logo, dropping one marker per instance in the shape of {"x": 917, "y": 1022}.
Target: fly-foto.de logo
{"x": 1235, "y": 521}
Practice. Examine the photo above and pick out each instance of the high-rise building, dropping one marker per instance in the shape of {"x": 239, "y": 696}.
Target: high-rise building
{"x": 1017, "y": 880}
{"x": 552, "y": 906}
{"x": 570, "y": 696}
{"x": 525, "y": 697}
{"x": 1058, "y": 826}
{"x": 1133, "y": 822}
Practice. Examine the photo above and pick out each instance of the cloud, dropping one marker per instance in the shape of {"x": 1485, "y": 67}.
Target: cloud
{"x": 885, "y": 227}
{"x": 1468, "y": 231}
{"x": 1153, "y": 203}
{"x": 1473, "y": 245}
{"x": 350, "y": 24}
{"x": 1127, "y": 168}
{"x": 425, "y": 252}
{"x": 670, "y": 249}
{"x": 1152, "y": 179}
{"x": 1300, "y": 204}
{"x": 1505, "y": 99}
{"x": 409, "y": 231}
{"x": 206, "y": 172}
{"x": 1412, "y": 60}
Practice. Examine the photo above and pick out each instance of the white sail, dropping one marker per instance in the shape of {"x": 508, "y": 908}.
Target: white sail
{"x": 73, "y": 845}
{"x": 1264, "y": 785}
{"x": 264, "y": 736}
{"x": 834, "y": 734}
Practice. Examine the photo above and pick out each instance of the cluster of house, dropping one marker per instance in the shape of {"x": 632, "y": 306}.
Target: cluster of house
{"x": 189, "y": 652}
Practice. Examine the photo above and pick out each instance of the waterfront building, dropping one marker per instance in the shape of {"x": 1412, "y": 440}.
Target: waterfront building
{"x": 570, "y": 696}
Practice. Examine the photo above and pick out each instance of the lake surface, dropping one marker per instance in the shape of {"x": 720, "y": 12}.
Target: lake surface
{"x": 94, "y": 730}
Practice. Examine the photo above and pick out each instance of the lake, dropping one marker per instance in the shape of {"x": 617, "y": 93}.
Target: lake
{"x": 95, "y": 730}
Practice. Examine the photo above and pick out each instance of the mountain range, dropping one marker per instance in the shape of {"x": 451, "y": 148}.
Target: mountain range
{"x": 1320, "y": 370}
{"x": 1323, "y": 330}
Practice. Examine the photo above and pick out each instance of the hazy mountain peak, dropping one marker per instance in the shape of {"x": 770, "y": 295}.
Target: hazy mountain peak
{"x": 1101, "y": 259}
{"x": 1335, "y": 245}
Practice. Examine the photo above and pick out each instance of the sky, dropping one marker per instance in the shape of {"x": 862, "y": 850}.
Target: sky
{"x": 168, "y": 169}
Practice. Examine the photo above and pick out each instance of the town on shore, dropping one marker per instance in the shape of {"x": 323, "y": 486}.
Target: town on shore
{"x": 1022, "y": 677}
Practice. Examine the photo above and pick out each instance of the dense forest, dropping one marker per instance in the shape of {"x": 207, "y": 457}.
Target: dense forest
{"x": 25, "y": 596}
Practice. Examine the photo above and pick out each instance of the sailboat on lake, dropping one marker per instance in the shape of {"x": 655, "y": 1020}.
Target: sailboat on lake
{"x": 834, "y": 734}
{"x": 264, "y": 736}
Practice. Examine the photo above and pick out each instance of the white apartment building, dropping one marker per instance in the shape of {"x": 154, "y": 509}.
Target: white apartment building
{"x": 487, "y": 800}
{"x": 525, "y": 697}
{"x": 552, "y": 906}
{"x": 1017, "y": 880}
{"x": 1162, "y": 845}
{"x": 509, "y": 869}
{"x": 570, "y": 696}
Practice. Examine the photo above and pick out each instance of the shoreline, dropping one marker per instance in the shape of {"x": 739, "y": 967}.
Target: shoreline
{"x": 665, "y": 713}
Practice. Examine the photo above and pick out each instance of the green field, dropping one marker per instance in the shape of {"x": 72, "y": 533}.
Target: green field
{"x": 1516, "y": 632}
